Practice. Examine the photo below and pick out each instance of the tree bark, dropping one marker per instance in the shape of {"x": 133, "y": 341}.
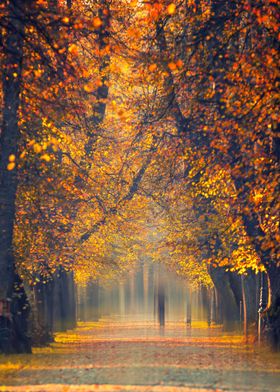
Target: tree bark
{"x": 72, "y": 301}
{"x": 206, "y": 302}
{"x": 92, "y": 304}
{"x": 161, "y": 304}
{"x": 64, "y": 301}
{"x": 42, "y": 328}
{"x": 13, "y": 300}
{"x": 272, "y": 313}
{"x": 189, "y": 307}
{"x": 230, "y": 308}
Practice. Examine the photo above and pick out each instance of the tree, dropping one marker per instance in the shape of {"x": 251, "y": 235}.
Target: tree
{"x": 11, "y": 337}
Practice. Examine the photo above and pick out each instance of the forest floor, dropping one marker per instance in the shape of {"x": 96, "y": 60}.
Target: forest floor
{"x": 115, "y": 356}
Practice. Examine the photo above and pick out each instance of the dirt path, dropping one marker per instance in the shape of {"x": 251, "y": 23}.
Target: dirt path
{"x": 107, "y": 356}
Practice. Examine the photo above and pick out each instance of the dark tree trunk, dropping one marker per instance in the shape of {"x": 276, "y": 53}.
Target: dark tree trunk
{"x": 64, "y": 301}
{"x": 250, "y": 308}
{"x": 42, "y": 331}
{"x": 250, "y": 287}
{"x": 57, "y": 305}
{"x": 206, "y": 302}
{"x": 189, "y": 307}
{"x": 235, "y": 284}
{"x": 64, "y": 297}
{"x": 72, "y": 301}
{"x": 13, "y": 300}
{"x": 273, "y": 311}
{"x": 244, "y": 308}
{"x": 161, "y": 305}
{"x": 48, "y": 295}
{"x": 54, "y": 307}
{"x": 92, "y": 304}
{"x": 258, "y": 238}
{"x": 81, "y": 308}
{"x": 230, "y": 308}
{"x": 215, "y": 311}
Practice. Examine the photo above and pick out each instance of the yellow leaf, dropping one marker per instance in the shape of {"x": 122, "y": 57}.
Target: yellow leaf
{"x": 12, "y": 158}
{"x": 73, "y": 49}
{"x": 37, "y": 73}
{"x": 87, "y": 88}
{"x": 46, "y": 157}
{"x": 11, "y": 166}
{"x": 37, "y": 148}
{"x": 171, "y": 9}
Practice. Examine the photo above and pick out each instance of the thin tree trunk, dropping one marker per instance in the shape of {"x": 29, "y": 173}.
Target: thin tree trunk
{"x": 161, "y": 304}
{"x": 72, "y": 301}
{"x": 92, "y": 304}
{"x": 189, "y": 307}
{"x": 244, "y": 302}
{"x": 206, "y": 302}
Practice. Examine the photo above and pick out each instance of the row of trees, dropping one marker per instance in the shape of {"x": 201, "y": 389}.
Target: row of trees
{"x": 122, "y": 116}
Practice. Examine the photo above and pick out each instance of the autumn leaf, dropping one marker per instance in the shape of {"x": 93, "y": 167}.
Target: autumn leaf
{"x": 152, "y": 67}
{"x": 11, "y": 166}
{"x": 171, "y": 9}
{"x": 172, "y": 66}
{"x": 97, "y": 22}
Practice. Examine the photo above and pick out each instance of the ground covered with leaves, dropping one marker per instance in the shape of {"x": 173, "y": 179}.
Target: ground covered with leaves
{"x": 124, "y": 356}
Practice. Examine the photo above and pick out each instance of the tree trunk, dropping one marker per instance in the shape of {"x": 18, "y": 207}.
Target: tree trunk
{"x": 57, "y": 305}
{"x": 72, "y": 301}
{"x": 244, "y": 303}
{"x": 42, "y": 330}
{"x": 206, "y": 302}
{"x": 230, "y": 308}
{"x": 219, "y": 309}
{"x": 81, "y": 303}
{"x": 65, "y": 300}
{"x": 189, "y": 307}
{"x": 250, "y": 287}
{"x": 273, "y": 310}
{"x": 64, "y": 309}
{"x": 161, "y": 304}
{"x": 92, "y": 304}
{"x": 13, "y": 300}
